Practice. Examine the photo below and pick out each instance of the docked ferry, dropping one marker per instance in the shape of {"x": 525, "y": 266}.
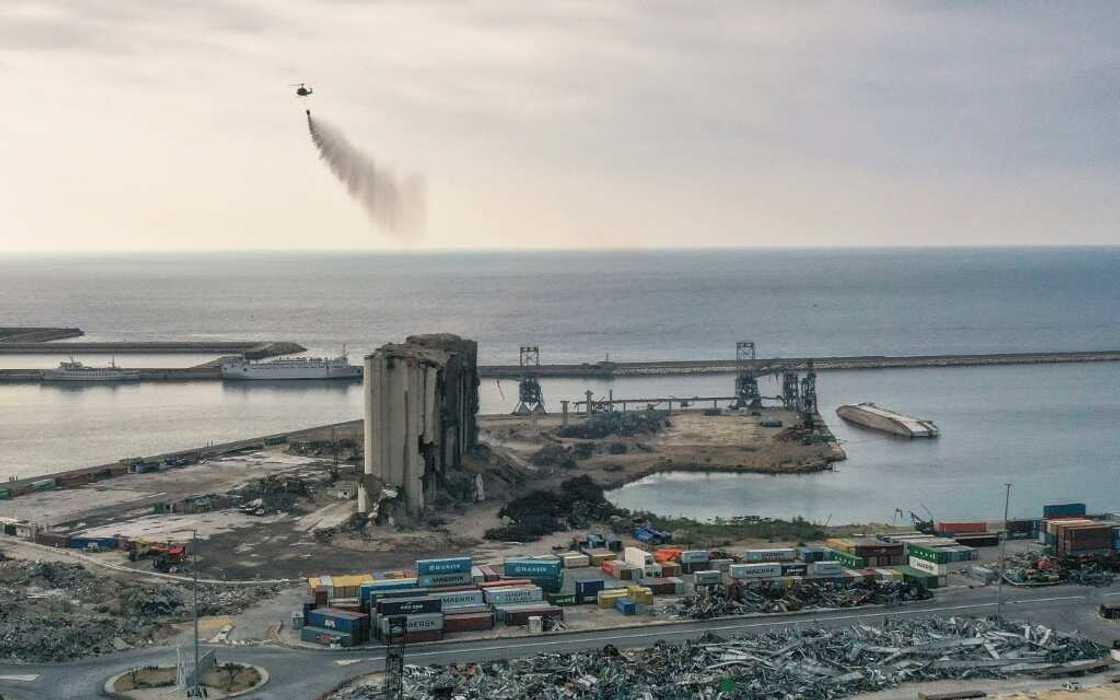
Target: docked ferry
{"x": 290, "y": 368}
{"x": 73, "y": 371}
{"x": 871, "y": 416}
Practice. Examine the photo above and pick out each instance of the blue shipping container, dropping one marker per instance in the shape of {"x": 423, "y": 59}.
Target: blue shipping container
{"x": 1063, "y": 510}
{"x": 102, "y": 543}
{"x": 340, "y": 620}
{"x": 626, "y": 606}
{"x": 437, "y": 580}
{"x": 528, "y": 568}
{"x": 370, "y": 589}
{"x": 587, "y": 590}
{"x": 447, "y": 565}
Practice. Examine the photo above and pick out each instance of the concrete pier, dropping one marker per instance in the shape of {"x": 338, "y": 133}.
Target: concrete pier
{"x": 255, "y": 349}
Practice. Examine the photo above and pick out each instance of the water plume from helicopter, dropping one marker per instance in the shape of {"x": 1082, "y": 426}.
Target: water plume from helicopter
{"x": 394, "y": 204}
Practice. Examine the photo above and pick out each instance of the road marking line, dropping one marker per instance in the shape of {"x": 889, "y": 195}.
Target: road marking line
{"x": 24, "y": 678}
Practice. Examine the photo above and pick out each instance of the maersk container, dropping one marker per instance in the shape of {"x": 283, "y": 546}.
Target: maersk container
{"x": 1063, "y": 510}
{"x": 459, "y": 599}
{"x": 419, "y": 622}
{"x": 436, "y": 580}
{"x": 409, "y": 606}
{"x": 695, "y": 556}
{"x": 447, "y": 565}
{"x": 772, "y": 570}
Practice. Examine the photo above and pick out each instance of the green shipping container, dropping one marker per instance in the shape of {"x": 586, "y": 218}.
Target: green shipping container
{"x": 912, "y": 575}
{"x": 5, "y": 494}
{"x": 850, "y": 561}
{"x": 935, "y": 556}
{"x": 561, "y": 599}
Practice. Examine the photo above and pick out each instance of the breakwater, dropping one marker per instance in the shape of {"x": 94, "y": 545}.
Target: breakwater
{"x": 254, "y": 349}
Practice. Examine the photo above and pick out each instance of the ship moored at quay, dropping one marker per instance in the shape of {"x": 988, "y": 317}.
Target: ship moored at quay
{"x": 875, "y": 417}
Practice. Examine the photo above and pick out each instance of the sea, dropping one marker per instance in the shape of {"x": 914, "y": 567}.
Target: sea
{"x": 1049, "y": 430}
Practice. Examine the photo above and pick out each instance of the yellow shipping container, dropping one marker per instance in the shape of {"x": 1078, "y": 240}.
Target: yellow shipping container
{"x": 608, "y": 598}
{"x": 842, "y": 544}
{"x": 640, "y": 594}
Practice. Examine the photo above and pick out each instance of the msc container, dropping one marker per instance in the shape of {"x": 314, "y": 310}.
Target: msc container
{"x": 352, "y": 623}
{"x": 521, "y": 594}
{"x": 928, "y": 567}
{"x": 437, "y": 580}
{"x": 626, "y": 606}
{"x": 452, "y": 600}
{"x": 446, "y": 565}
{"x": 468, "y": 622}
{"x": 388, "y": 607}
{"x": 756, "y": 570}
{"x": 1059, "y": 510}
{"x": 763, "y": 555}
{"x": 707, "y": 578}
{"x": 694, "y": 556}
{"x": 326, "y": 637}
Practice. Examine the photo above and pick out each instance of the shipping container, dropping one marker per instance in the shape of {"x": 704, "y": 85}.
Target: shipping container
{"x": 521, "y": 594}
{"x": 488, "y": 573}
{"x": 840, "y": 544}
{"x": 503, "y": 582}
{"x": 573, "y": 560}
{"x": 850, "y": 561}
{"x": 598, "y": 556}
{"x": 102, "y": 544}
{"x": 607, "y": 598}
{"x": 771, "y": 570}
{"x": 922, "y": 578}
{"x": 370, "y": 589}
{"x": 446, "y": 565}
{"x": 810, "y": 554}
{"x": 326, "y": 637}
{"x": 518, "y": 615}
{"x": 928, "y": 566}
{"x": 419, "y": 622}
{"x": 979, "y": 540}
{"x": 5, "y": 494}
{"x": 638, "y": 557}
{"x": 626, "y": 606}
{"x": 935, "y": 556}
{"x": 694, "y": 556}
{"x": 667, "y": 554}
{"x": 770, "y": 555}
{"x": 587, "y": 589}
{"x": 352, "y": 623}
{"x": 707, "y": 578}
{"x": 468, "y": 622}
{"x": 961, "y": 528}
{"x": 825, "y": 568}
{"x": 561, "y": 599}
{"x": 642, "y": 595}
{"x": 533, "y": 568}
{"x": 452, "y": 600}
{"x": 1058, "y": 510}
{"x": 387, "y": 607}
{"x": 438, "y": 580}
{"x": 670, "y": 569}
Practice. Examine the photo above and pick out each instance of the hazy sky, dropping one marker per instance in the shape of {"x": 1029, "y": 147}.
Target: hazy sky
{"x": 160, "y": 124}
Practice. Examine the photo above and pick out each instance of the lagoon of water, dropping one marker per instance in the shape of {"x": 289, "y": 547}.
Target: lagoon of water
{"x": 1050, "y": 430}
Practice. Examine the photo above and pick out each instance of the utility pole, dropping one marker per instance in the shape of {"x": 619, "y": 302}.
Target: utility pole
{"x": 1002, "y": 551}
{"x": 195, "y": 691}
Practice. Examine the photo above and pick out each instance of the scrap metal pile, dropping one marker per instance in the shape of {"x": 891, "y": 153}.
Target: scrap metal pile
{"x": 1030, "y": 569}
{"x": 767, "y": 597}
{"x": 815, "y": 664}
{"x": 54, "y": 611}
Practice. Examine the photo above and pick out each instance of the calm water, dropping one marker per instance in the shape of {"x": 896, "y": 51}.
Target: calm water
{"x": 1053, "y": 427}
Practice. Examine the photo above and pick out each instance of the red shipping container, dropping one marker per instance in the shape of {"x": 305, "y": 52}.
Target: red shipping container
{"x": 421, "y": 637}
{"x": 520, "y": 618}
{"x": 488, "y": 573}
{"x": 611, "y": 567}
{"x": 667, "y": 554}
{"x": 669, "y": 569}
{"x": 506, "y": 582}
{"x": 961, "y": 528}
{"x": 468, "y": 622}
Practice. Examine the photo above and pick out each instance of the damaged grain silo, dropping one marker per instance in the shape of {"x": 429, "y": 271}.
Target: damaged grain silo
{"x": 421, "y": 403}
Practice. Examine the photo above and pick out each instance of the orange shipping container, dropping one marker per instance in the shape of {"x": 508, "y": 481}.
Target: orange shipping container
{"x": 667, "y": 554}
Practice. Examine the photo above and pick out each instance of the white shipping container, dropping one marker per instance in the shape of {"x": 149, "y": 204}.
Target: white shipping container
{"x": 780, "y": 554}
{"x": 825, "y": 568}
{"x": 575, "y": 561}
{"x": 638, "y": 557}
{"x": 459, "y": 599}
{"x": 723, "y": 565}
{"x": 707, "y": 577}
{"x": 420, "y": 622}
{"x": 695, "y": 556}
{"x": 929, "y": 567}
{"x": 755, "y": 570}
{"x": 520, "y": 594}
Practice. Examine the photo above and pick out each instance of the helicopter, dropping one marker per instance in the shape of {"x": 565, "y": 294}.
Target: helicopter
{"x": 301, "y": 91}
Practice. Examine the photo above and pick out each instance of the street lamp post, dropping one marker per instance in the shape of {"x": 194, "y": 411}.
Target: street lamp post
{"x": 1002, "y": 553}
{"x": 194, "y": 690}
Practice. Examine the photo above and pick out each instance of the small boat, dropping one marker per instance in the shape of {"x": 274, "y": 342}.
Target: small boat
{"x": 74, "y": 371}
{"x": 875, "y": 417}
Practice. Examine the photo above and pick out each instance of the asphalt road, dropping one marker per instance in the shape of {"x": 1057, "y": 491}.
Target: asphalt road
{"x": 304, "y": 674}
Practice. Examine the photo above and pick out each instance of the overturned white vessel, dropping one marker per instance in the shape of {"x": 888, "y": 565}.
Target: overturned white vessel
{"x": 871, "y": 416}
{"x": 291, "y": 368}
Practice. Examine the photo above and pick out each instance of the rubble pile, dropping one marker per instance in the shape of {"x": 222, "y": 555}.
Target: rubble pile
{"x": 1031, "y": 569}
{"x": 772, "y": 597}
{"x": 578, "y": 503}
{"x": 816, "y": 664}
{"x": 55, "y": 611}
{"x": 627, "y": 424}
{"x": 273, "y": 494}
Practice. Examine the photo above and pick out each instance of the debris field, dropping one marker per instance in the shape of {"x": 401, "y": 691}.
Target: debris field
{"x": 815, "y": 664}
{"x": 741, "y": 598}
